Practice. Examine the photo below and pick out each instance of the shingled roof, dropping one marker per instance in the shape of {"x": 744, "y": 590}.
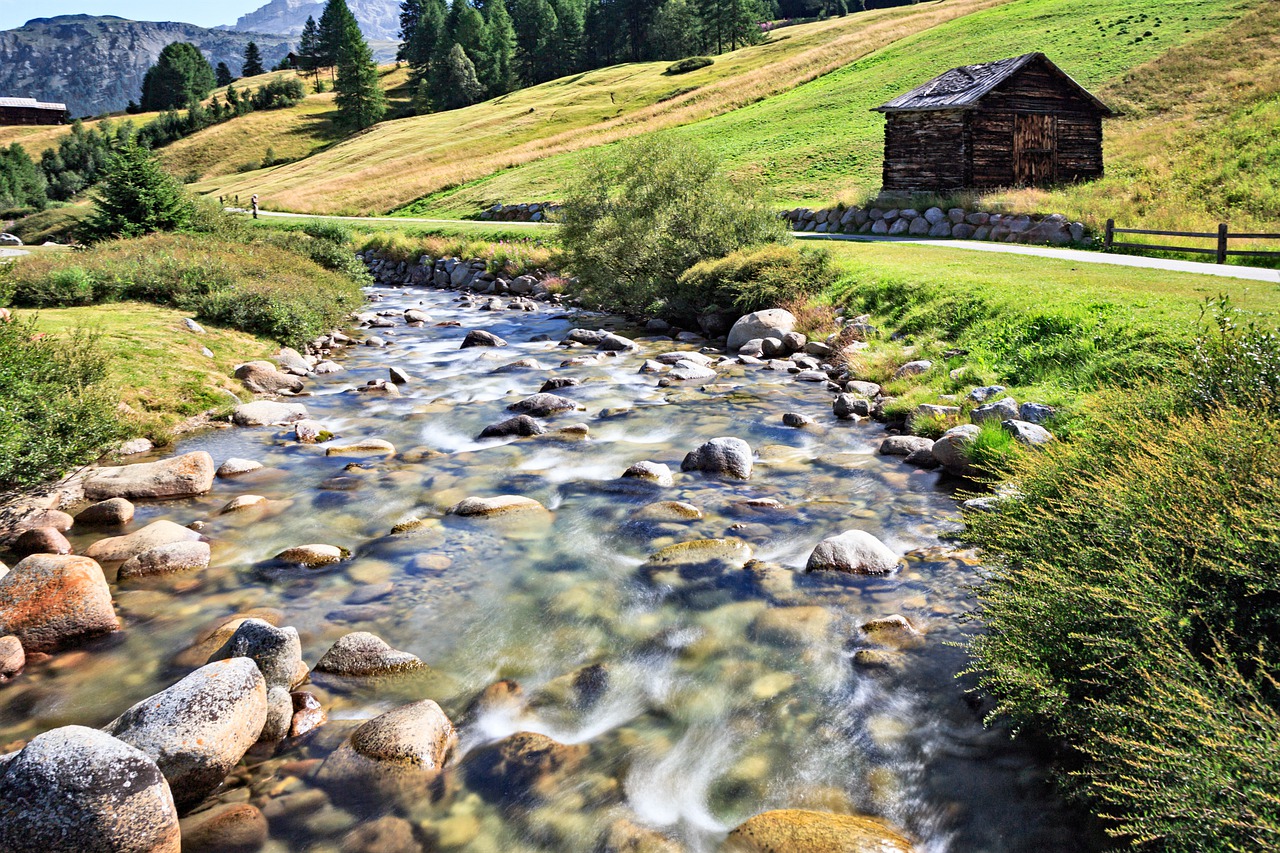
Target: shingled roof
{"x": 962, "y": 88}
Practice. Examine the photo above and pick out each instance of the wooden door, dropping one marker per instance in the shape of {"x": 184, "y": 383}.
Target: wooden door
{"x": 1035, "y": 146}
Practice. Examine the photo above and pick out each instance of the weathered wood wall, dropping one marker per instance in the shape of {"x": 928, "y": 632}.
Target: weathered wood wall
{"x": 975, "y": 148}
{"x": 925, "y": 151}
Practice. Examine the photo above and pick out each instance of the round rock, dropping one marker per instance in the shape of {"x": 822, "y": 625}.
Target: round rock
{"x": 855, "y": 552}
{"x": 730, "y": 457}
{"x": 794, "y": 830}
{"x": 76, "y": 788}
{"x": 115, "y": 512}
{"x": 50, "y": 602}
{"x": 166, "y": 559}
{"x": 363, "y": 654}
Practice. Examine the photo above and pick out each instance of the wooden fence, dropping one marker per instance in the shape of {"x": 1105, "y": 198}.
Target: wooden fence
{"x": 1221, "y": 253}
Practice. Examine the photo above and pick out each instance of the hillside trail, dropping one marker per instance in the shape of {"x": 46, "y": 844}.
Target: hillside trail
{"x": 1076, "y": 255}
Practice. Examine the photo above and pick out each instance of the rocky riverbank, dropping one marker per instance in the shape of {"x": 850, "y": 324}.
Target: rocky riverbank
{"x": 484, "y": 572}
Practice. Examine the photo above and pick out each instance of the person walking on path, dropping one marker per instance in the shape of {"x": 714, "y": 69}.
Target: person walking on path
{"x": 254, "y": 201}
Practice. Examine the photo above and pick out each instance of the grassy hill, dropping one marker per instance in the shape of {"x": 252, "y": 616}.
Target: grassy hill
{"x": 795, "y": 112}
{"x": 398, "y": 161}
{"x": 819, "y": 142}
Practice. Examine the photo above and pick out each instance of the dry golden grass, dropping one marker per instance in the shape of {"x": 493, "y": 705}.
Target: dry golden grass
{"x": 398, "y": 161}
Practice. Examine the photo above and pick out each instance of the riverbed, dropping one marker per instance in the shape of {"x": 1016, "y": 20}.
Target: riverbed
{"x": 711, "y": 694}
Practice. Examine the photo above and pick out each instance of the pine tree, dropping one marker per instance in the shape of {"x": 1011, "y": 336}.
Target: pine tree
{"x": 500, "y": 47}
{"x": 359, "y": 97}
{"x": 222, "y": 75}
{"x": 466, "y": 27}
{"x": 252, "y": 61}
{"x": 22, "y": 183}
{"x": 536, "y": 27}
{"x": 137, "y": 197}
{"x": 566, "y": 44}
{"x": 331, "y": 33}
{"x": 461, "y": 86}
{"x": 428, "y": 33}
{"x": 309, "y": 48}
{"x": 410, "y": 13}
{"x": 181, "y": 76}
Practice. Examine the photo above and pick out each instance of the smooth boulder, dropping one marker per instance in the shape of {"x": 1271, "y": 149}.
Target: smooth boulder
{"x": 114, "y": 512}
{"x": 276, "y": 651}
{"x": 951, "y": 449}
{"x": 481, "y": 338}
{"x": 79, "y": 789}
{"x": 770, "y": 323}
{"x": 404, "y": 749}
{"x": 521, "y": 426}
{"x": 855, "y": 552}
{"x": 731, "y": 457}
{"x": 262, "y": 377}
{"x": 179, "y": 477}
{"x": 653, "y": 472}
{"x": 267, "y": 413}
{"x": 118, "y": 549}
{"x": 200, "y": 728}
{"x": 167, "y": 559}
{"x": 50, "y": 602}
{"x": 500, "y": 505}
{"x": 800, "y": 831}
{"x": 542, "y": 405}
{"x": 363, "y": 654}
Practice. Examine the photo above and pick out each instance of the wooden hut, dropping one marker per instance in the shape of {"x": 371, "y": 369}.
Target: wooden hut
{"x": 1015, "y": 122}
{"x": 30, "y": 111}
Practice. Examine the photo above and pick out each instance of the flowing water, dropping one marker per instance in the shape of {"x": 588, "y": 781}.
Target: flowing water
{"x": 703, "y": 711}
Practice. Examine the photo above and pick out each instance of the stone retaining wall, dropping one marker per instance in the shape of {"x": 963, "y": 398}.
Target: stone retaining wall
{"x": 456, "y": 274}
{"x": 956, "y": 223}
{"x": 538, "y": 211}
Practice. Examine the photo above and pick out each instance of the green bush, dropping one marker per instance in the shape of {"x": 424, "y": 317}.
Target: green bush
{"x": 644, "y": 213}
{"x": 992, "y": 449}
{"x": 692, "y": 63}
{"x": 270, "y": 286}
{"x": 755, "y": 278}
{"x": 53, "y": 414}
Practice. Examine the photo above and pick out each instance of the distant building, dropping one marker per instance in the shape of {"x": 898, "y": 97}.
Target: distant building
{"x": 31, "y": 111}
{"x": 1015, "y": 122}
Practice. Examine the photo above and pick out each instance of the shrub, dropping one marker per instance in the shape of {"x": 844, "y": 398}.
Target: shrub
{"x": 692, "y": 63}
{"x": 992, "y": 449}
{"x": 1134, "y": 611}
{"x": 755, "y": 278}
{"x": 270, "y": 287}
{"x": 643, "y": 214}
{"x": 1235, "y": 364}
{"x": 53, "y": 414}
{"x": 929, "y": 426}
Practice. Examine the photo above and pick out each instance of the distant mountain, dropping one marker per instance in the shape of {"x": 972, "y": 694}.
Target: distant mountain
{"x": 379, "y": 19}
{"x": 95, "y": 64}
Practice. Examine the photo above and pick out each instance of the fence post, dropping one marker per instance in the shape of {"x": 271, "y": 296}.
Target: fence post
{"x": 1110, "y": 236}
{"x": 1222, "y": 242}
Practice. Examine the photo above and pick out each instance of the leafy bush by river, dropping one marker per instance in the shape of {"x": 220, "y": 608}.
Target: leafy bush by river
{"x": 288, "y": 287}
{"x": 54, "y": 412}
{"x": 1134, "y": 609}
{"x": 643, "y": 215}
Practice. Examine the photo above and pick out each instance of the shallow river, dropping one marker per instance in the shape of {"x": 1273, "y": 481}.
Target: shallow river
{"x": 703, "y": 712}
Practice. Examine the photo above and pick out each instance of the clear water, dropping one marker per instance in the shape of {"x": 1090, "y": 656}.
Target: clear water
{"x": 704, "y": 720}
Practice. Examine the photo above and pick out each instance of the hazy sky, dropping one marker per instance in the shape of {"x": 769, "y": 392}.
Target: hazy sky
{"x": 15, "y": 13}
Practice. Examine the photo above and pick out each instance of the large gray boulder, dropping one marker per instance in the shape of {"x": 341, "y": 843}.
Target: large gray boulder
{"x": 855, "y": 552}
{"x": 261, "y": 377}
{"x": 117, "y": 549}
{"x": 401, "y": 751}
{"x": 167, "y": 559}
{"x": 363, "y": 654}
{"x": 50, "y": 602}
{"x": 79, "y": 789}
{"x": 267, "y": 413}
{"x": 200, "y": 728}
{"x": 951, "y": 449}
{"x": 1025, "y": 432}
{"x": 179, "y": 477}
{"x": 730, "y": 457}
{"x": 770, "y": 323}
{"x": 543, "y": 405}
{"x": 276, "y": 651}
{"x": 1001, "y": 410}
